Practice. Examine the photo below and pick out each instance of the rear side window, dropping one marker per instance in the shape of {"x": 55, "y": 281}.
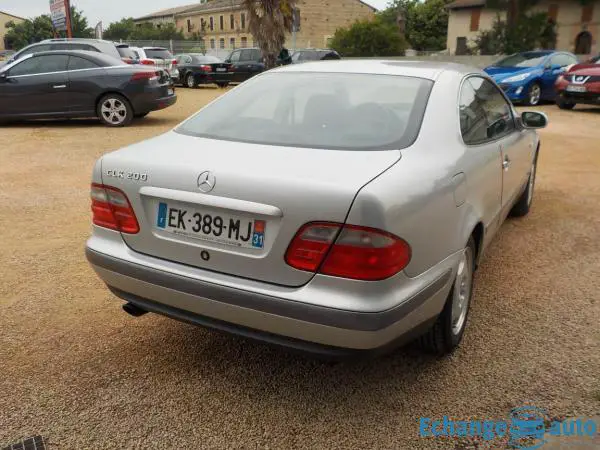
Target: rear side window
{"x": 77, "y": 63}
{"x": 158, "y": 53}
{"x": 40, "y": 64}
{"x": 318, "y": 110}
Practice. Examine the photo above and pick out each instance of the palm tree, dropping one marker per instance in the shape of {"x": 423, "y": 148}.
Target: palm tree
{"x": 269, "y": 21}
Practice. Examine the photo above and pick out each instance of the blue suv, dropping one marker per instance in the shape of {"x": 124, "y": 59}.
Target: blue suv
{"x": 529, "y": 77}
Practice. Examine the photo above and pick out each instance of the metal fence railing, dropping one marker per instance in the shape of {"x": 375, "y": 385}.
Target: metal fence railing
{"x": 209, "y": 47}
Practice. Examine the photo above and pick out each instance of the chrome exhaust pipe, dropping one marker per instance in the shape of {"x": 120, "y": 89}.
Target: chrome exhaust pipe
{"x": 133, "y": 310}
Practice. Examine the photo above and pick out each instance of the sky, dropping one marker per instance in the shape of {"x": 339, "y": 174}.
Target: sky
{"x": 108, "y": 11}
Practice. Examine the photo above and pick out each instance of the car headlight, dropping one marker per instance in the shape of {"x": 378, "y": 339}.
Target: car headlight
{"x": 516, "y": 78}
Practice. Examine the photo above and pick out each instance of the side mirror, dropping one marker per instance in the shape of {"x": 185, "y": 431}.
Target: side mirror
{"x": 534, "y": 120}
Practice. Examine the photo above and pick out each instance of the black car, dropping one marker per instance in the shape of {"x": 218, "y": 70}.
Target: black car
{"x": 80, "y": 83}
{"x": 92, "y": 45}
{"x": 314, "y": 54}
{"x": 245, "y": 63}
{"x": 196, "y": 68}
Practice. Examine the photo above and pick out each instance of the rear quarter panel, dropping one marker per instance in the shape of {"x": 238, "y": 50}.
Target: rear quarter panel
{"x": 415, "y": 198}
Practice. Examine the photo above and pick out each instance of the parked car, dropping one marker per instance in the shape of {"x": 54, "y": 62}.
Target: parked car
{"x": 333, "y": 207}
{"x": 128, "y": 54}
{"x": 196, "y": 68}
{"x": 581, "y": 84}
{"x": 245, "y": 63}
{"x": 529, "y": 77}
{"x": 159, "y": 57}
{"x": 314, "y": 54}
{"x": 79, "y": 83}
{"x": 93, "y": 45}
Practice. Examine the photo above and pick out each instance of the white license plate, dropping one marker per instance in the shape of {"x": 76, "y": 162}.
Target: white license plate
{"x": 572, "y": 88}
{"x": 221, "y": 69}
{"x": 170, "y": 91}
{"x": 210, "y": 225}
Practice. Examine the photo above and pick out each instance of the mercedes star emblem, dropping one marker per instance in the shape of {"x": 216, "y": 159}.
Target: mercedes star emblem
{"x": 206, "y": 181}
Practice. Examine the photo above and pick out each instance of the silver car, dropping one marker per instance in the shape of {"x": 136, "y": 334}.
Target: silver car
{"x": 333, "y": 207}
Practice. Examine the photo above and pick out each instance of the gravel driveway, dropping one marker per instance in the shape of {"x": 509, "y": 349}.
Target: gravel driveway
{"x": 82, "y": 373}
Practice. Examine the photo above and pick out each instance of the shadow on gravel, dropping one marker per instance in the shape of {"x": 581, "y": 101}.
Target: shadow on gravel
{"x": 85, "y": 123}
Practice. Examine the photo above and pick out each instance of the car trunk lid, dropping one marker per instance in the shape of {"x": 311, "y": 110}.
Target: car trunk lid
{"x": 264, "y": 193}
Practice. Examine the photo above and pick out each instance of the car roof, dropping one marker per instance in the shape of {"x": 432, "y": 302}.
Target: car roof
{"x": 421, "y": 69}
{"x": 75, "y": 40}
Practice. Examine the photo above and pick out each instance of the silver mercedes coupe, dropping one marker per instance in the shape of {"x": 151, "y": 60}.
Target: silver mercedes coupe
{"x": 332, "y": 207}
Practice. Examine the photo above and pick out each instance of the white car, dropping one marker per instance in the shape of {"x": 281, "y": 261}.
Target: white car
{"x": 160, "y": 57}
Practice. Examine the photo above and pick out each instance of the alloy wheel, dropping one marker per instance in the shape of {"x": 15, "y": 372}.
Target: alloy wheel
{"x": 114, "y": 111}
{"x": 462, "y": 291}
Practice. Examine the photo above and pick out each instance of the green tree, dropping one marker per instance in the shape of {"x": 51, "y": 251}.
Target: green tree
{"x": 122, "y": 29}
{"x": 269, "y": 21}
{"x": 40, "y": 28}
{"x": 369, "y": 38}
{"x": 426, "y": 22}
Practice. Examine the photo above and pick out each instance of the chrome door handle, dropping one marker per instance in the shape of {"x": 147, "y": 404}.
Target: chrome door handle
{"x": 59, "y": 86}
{"x": 505, "y": 163}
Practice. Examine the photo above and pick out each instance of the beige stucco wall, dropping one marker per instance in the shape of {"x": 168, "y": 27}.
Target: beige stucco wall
{"x": 459, "y": 25}
{"x": 569, "y": 24}
{"x": 4, "y": 19}
{"x": 319, "y": 20}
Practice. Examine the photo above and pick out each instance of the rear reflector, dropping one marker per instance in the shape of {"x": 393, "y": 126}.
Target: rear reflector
{"x": 359, "y": 253}
{"x": 111, "y": 209}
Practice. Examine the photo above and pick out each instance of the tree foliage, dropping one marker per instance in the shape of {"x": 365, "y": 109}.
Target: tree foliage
{"x": 126, "y": 29}
{"x": 369, "y": 38}
{"x": 269, "y": 21}
{"x": 528, "y": 31}
{"x": 426, "y": 22}
{"x": 40, "y": 28}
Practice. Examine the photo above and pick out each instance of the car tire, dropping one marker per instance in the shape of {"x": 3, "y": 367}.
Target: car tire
{"x": 222, "y": 85}
{"x": 447, "y": 332}
{"x": 521, "y": 208}
{"x": 114, "y": 110}
{"x": 534, "y": 94}
{"x": 190, "y": 81}
{"x": 563, "y": 104}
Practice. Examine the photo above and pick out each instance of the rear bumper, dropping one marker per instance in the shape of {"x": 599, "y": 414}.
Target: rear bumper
{"x": 214, "y": 77}
{"x": 154, "y": 104}
{"x": 269, "y": 317}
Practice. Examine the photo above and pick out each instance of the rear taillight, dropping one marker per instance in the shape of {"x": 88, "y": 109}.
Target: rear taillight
{"x": 206, "y": 68}
{"x": 174, "y": 62}
{"x": 111, "y": 209}
{"x": 147, "y": 62}
{"x": 360, "y": 253}
{"x": 150, "y": 76}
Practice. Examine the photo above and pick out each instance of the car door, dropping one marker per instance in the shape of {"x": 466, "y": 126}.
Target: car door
{"x": 515, "y": 144}
{"x": 236, "y": 66}
{"x": 84, "y": 85}
{"x": 36, "y": 86}
{"x": 184, "y": 63}
{"x": 554, "y": 66}
{"x": 483, "y": 160}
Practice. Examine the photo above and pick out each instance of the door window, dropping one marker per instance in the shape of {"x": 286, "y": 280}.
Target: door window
{"x": 40, "y": 64}
{"x": 563, "y": 60}
{"x": 246, "y": 55}
{"x": 235, "y": 57}
{"x": 485, "y": 114}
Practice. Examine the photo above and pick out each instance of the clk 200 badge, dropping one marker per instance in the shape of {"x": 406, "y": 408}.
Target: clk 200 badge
{"x": 126, "y": 175}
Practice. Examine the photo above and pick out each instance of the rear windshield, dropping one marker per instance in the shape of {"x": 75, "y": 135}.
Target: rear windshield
{"x": 206, "y": 59}
{"x": 317, "y": 110}
{"x": 126, "y": 52}
{"x": 158, "y": 53}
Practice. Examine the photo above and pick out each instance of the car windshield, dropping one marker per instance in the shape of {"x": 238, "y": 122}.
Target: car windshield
{"x": 205, "y": 59}
{"x": 317, "y": 110}
{"x": 158, "y": 53}
{"x": 522, "y": 60}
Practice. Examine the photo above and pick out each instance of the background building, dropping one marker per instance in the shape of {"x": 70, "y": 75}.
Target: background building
{"x": 4, "y": 19}
{"x": 578, "y": 25}
{"x": 223, "y": 24}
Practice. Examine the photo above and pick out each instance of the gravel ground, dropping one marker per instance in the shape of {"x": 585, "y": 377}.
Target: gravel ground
{"x": 79, "y": 371}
